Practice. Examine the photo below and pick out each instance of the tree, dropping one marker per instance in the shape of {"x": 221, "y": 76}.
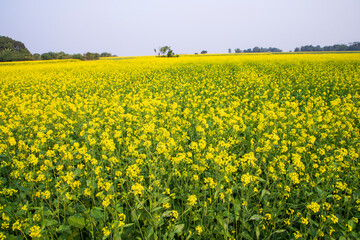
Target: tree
{"x": 105, "y": 54}
{"x": 337, "y": 47}
{"x": 163, "y": 50}
{"x": 45, "y": 56}
{"x": 229, "y": 50}
{"x": 62, "y": 55}
{"x": 355, "y": 46}
{"x": 170, "y": 53}
{"x": 256, "y": 49}
{"x": 11, "y": 50}
{"x": 166, "y": 51}
{"x": 36, "y": 56}
{"x": 203, "y": 52}
{"x": 237, "y": 50}
{"x": 78, "y": 56}
{"x": 91, "y": 56}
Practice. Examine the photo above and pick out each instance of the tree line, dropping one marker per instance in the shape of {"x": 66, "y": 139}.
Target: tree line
{"x": 256, "y": 50}
{"x": 355, "y": 46}
{"x": 62, "y": 55}
{"x": 12, "y": 50}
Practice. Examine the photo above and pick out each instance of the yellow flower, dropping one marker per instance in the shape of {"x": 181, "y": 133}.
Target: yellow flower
{"x": 199, "y": 230}
{"x": 297, "y": 235}
{"x": 16, "y": 225}
{"x": 331, "y": 230}
{"x": 192, "y": 200}
{"x": 267, "y": 216}
{"x": 12, "y": 141}
{"x": 35, "y": 232}
{"x": 137, "y": 189}
{"x": 46, "y": 194}
{"x": 166, "y": 205}
{"x": 304, "y": 221}
{"x": 174, "y": 214}
{"x": 333, "y": 218}
{"x": 2, "y": 236}
{"x": 106, "y": 231}
{"x": 315, "y": 207}
{"x": 122, "y": 217}
{"x": 287, "y": 221}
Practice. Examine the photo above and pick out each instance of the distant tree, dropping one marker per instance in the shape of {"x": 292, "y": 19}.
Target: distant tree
{"x": 229, "y": 50}
{"x": 11, "y": 50}
{"x": 91, "y": 56}
{"x": 337, "y": 47}
{"x": 259, "y": 49}
{"x": 256, "y": 49}
{"x": 237, "y": 50}
{"x": 203, "y": 52}
{"x": 340, "y": 47}
{"x": 105, "y": 54}
{"x": 166, "y": 51}
{"x": 355, "y": 46}
{"x": 62, "y": 55}
{"x": 297, "y": 49}
{"x": 36, "y": 56}
{"x": 163, "y": 50}
{"x": 45, "y": 56}
{"x": 170, "y": 53}
{"x": 273, "y": 49}
{"x": 78, "y": 56}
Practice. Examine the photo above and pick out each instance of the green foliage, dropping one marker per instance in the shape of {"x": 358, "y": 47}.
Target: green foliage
{"x": 91, "y": 56}
{"x": 78, "y": 56}
{"x": 11, "y": 50}
{"x": 355, "y": 46}
{"x": 260, "y": 49}
{"x": 105, "y": 54}
{"x": 166, "y": 51}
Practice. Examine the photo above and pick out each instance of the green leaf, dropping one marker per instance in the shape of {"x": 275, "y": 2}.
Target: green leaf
{"x": 179, "y": 228}
{"x": 167, "y": 214}
{"x": 351, "y": 224}
{"x": 128, "y": 225}
{"x": 257, "y": 233}
{"x": 50, "y": 222}
{"x": 64, "y": 229}
{"x": 47, "y": 213}
{"x": 78, "y": 222}
{"x": 156, "y": 209}
{"x": 119, "y": 209}
{"x": 319, "y": 191}
{"x": 96, "y": 213}
{"x": 150, "y": 232}
{"x": 256, "y": 217}
{"x": 77, "y": 172}
{"x": 247, "y": 236}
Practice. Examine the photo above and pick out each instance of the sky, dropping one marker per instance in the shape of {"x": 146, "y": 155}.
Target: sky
{"x": 137, "y": 27}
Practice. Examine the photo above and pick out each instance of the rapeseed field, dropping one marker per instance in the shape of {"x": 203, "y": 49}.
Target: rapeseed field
{"x": 197, "y": 147}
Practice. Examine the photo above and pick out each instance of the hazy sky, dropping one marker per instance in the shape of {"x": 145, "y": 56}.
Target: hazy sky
{"x": 136, "y": 27}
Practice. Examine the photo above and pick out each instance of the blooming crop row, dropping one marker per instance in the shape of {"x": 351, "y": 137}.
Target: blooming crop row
{"x": 215, "y": 147}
